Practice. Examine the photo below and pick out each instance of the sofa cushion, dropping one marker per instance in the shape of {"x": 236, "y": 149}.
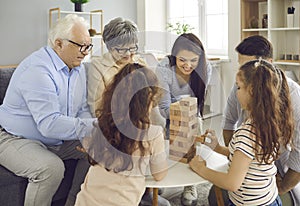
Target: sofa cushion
{"x": 5, "y": 75}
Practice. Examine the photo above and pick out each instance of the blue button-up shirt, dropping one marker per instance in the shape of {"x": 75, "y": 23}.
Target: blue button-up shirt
{"x": 45, "y": 101}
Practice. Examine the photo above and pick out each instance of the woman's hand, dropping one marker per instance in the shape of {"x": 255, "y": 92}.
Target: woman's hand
{"x": 197, "y": 164}
{"x": 211, "y": 139}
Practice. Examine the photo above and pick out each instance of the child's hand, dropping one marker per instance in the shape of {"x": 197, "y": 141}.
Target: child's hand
{"x": 197, "y": 163}
{"x": 90, "y": 159}
{"x": 211, "y": 139}
{"x": 80, "y": 149}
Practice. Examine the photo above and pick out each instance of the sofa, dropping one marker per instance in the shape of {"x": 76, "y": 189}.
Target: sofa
{"x": 12, "y": 187}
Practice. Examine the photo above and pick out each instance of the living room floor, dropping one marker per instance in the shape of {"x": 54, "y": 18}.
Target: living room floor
{"x": 214, "y": 123}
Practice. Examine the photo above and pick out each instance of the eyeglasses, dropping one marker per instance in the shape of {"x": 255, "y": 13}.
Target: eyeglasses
{"x": 124, "y": 50}
{"x": 83, "y": 47}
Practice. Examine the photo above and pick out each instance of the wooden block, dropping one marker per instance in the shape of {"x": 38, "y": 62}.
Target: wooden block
{"x": 180, "y": 113}
{"x": 182, "y": 134}
{"x": 200, "y": 138}
{"x": 191, "y": 154}
{"x": 178, "y": 144}
{"x": 182, "y": 139}
{"x": 178, "y": 159}
{"x": 184, "y": 123}
{"x": 186, "y": 158}
{"x": 183, "y": 118}
{"x": 184, "y": 149}
{"x": 183, "y": 127}
{"x": 192, "y": 129}
{"x": 176, "y": 153}
{"x": 188, "y": 101}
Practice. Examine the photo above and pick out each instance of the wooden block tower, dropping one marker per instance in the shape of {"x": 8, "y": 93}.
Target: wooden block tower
{"x": 183, "y": 128}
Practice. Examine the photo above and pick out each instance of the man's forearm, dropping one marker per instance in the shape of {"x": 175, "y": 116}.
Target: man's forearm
{"x": 289, "y": 181}
{"x": 227, "y": 135}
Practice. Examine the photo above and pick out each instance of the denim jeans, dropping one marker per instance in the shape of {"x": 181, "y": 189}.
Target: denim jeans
{"x": 276, "y": 202}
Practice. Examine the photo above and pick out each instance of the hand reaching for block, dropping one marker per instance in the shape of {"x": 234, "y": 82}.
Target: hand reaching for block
{"x": 208, "y": 138}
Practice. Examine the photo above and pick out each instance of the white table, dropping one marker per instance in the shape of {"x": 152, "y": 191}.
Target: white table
{"x": 180, "y": 174}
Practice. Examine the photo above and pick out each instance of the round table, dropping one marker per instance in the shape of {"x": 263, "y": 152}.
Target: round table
{"x": 180, "y": 174}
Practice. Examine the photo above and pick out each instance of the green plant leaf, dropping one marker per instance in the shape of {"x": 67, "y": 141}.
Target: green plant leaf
{"x": 179, "y": 28}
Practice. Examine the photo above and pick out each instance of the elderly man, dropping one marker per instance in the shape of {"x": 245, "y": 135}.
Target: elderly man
{"x": 45, "y": 113}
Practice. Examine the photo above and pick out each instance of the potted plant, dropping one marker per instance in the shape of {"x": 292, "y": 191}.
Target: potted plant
{"x": 78, "y": 4}
{"x": 179, "y": 28}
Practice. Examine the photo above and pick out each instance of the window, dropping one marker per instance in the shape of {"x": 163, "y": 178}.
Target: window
{"x": 208, "y": 18}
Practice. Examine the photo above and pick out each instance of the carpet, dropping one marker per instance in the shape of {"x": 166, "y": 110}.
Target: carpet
{"x": 202, "y": 189}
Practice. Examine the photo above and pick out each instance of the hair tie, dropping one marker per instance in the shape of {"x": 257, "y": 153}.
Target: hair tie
{"x": 258, "y": 63}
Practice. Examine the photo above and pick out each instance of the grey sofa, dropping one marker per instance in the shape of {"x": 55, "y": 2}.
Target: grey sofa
{"x": 12, "y": 187}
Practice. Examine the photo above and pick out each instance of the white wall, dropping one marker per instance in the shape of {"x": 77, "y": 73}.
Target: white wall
{"x": 234, "y": 34}
{"x": 24, "y": 24}
{"x": 151, "y": 20}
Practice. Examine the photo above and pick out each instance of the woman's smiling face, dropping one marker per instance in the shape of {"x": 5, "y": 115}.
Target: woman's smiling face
{"x": 187, "y": 61}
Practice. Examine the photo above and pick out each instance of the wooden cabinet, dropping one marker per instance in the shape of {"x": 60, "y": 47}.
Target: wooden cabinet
{"x": 278, "y": 28}
{"x": 95, "y": 19}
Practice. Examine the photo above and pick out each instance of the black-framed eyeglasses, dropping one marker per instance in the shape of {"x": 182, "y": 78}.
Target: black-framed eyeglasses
{"x": 125, "y": 50}
{"x": 83, "y": 47}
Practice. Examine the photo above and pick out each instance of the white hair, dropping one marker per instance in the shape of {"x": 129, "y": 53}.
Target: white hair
{"x": 63, "y": 26}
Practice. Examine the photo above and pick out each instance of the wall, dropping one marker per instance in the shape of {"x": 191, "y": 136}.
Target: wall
{"x": 24, "y": 24}
{"x": 230, "y": 68}
{"x": 151, "y": 20}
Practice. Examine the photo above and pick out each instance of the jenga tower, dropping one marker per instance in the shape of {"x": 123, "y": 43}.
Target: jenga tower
{"x": 183, "y": 127}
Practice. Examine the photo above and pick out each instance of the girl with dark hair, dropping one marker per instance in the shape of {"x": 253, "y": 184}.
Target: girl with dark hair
{"x": 263, "y": 92}
{"x": 184, "y": 72}
{"x": 124, "y": 142}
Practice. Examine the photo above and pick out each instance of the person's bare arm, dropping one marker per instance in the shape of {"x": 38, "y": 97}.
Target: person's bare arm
{"x": 288, "y": 182}
{"x": 161, "y": 173}
{"x": 209, "y": 139}
{"x": 227, "y": 135}
{"x": 231, "y": 180}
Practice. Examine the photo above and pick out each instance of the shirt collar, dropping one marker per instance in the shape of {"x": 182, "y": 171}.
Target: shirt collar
{"x": 59, "y": 64}
{"x": 108, "y": 60}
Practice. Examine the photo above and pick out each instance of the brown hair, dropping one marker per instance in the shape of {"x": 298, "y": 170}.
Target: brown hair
{"x": 124, "y": 116}
{"x": 269, "y": 108}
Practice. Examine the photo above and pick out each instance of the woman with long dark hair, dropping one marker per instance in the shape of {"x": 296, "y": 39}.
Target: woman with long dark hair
{"x": 184, "y": 72}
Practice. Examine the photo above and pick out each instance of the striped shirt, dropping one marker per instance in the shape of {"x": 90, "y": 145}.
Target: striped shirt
{"x": 259, "y": 186}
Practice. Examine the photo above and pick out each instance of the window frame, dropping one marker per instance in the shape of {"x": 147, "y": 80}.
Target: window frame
{"x": 202, "y": 30}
